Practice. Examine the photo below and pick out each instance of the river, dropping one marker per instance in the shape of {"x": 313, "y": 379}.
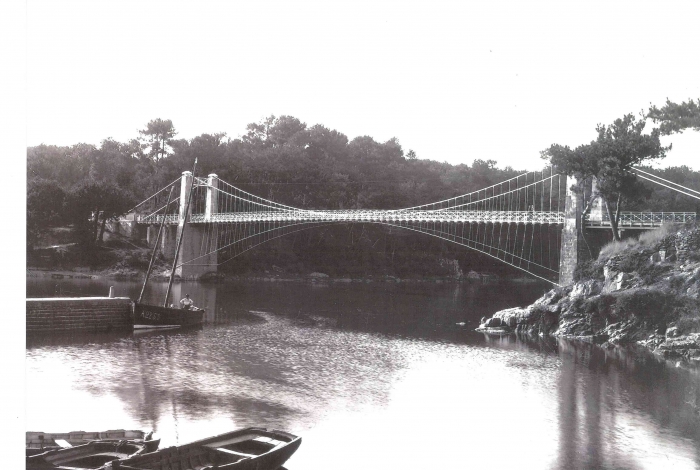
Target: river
{"x": 372, "y": 376}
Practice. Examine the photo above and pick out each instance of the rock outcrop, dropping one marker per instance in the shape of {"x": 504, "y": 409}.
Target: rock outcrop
{"x": 646, "y": 295}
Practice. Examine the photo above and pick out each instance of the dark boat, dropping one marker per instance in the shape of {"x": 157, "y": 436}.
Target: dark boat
{"x": 245, "y": 449}
{"x": 39, "y": 442}
{"x": 95, "y": 454}
{"x": 153, "y": 316}
{"x": 148, "y": 316}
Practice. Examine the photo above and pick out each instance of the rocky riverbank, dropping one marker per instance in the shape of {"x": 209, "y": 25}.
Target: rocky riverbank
{"x": 644, "y": 291}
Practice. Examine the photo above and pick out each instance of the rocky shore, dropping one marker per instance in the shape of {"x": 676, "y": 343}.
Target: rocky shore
{"x": 643, "y": 292}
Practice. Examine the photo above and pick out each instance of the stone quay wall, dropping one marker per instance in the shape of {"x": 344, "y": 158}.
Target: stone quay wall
{"x": 89, "y": 314}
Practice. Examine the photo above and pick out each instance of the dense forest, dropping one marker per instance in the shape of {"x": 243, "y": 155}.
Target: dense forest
{"x": 284, "y": 160}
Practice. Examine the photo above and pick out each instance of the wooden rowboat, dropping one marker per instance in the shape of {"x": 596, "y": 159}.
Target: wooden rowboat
{"x": 95, "y": 454}
{"x": 245, "y": 449}
{"x": 39, "y": 442}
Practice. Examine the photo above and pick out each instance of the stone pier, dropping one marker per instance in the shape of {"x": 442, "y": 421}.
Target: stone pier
{"x": 570, "y": 234}
{"x": 198, "y": 239}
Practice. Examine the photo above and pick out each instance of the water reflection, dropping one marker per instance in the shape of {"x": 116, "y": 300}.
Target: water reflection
{"x": 618, "y": 408}
{"x": 380, "y": 374}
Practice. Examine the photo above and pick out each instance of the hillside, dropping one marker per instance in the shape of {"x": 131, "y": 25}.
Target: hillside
{"x": 643, "y": 292}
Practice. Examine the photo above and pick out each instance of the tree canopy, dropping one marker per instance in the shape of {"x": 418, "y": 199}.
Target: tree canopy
{"x": 92, "y": 202}
{"x": 617, "y": 149}
{"x": 673, "y": 117}
{"x": 157, "y": 136}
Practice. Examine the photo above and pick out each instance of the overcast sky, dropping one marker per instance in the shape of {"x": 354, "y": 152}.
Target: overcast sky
{"x": 452, "y": 80}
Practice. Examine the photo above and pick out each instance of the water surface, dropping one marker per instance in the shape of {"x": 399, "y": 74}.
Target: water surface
{"x": 372, "y": 376}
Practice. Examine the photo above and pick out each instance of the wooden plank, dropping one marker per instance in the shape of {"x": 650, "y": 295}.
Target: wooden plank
{"x": 239, "y": 454}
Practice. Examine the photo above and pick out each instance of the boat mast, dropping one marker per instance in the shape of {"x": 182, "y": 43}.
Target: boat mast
{"x": 155, "y": 246}
{"x": 179, "y": 240}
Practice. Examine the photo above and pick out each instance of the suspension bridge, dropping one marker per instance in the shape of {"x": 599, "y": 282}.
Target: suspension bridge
{"x": 531, "y": 222}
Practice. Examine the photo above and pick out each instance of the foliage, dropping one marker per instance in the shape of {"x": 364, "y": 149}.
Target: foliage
{"x": 92, "y": 201}
{"x": 649, "y": 240}
{"x": 675, "y": 117}
{"x": 591, "y": 269}
{"x": 649, "y": 302}
{"x": 45, "y": 200}
{"x": 156, "y": 137}
{"x": 600, "y": 304}
{"x": 689, "y": 322}
{"x": 609, "y": 159}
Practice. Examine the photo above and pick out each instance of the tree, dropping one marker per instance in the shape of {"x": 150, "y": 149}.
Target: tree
{"x": 609, "y": 159}
{"x": 290, "y": 131}
{"x": 45, "y": 201}
{"x": 258, "y": 133}
{"x": 676, "y": 117}
{"x": 157, "y": 135}
{"x": 93, "y": 201}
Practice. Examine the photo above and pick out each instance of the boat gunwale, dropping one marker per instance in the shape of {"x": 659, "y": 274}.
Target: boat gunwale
{"x": 288, "y": 444}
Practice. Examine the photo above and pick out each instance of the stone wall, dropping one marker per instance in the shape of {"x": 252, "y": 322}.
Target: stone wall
{"x": 687, "y": 242}
{"x": 92, "y": 314}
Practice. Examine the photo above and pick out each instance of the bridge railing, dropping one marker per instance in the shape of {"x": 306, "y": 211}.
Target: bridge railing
{"x": 539, "y": 217}
{"x": 646, "y": 219}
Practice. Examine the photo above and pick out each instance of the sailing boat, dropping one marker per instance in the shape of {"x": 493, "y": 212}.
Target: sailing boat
{"x": 154, "y": 316}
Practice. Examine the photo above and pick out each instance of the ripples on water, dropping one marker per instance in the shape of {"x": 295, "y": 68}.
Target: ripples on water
{"x": 376, "y": 377}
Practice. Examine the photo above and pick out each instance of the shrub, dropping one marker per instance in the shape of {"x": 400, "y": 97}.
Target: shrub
{"x": 649, "y": 240}
{"x": 676, "y": 282}
{"x": 615, "y": 248}
{"x": 689, "y": 323}
{"x": 651, "y": 273}
{"x": 588, "y": 270}
{"x": 645, "y": 302}
{"x": 652, "y": 238}
{"x": 137, "y": 260}
{"x": 601, "y": 304}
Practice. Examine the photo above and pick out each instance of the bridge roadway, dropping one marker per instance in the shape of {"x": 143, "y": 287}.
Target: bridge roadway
{"x": 630, "y": 220}
{"x": 377, "y": 216}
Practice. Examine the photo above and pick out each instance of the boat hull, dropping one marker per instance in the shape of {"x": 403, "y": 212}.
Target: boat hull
{"x": 152, "y": 316}
{"x": 39, "y": 442}
{"x": 245, "y": 449}
{"x": 95, "y": 454}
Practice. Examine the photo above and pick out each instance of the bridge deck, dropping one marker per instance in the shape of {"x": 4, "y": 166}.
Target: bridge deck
{"x": 628, "y": 220}
{"x": 370, "y": 216}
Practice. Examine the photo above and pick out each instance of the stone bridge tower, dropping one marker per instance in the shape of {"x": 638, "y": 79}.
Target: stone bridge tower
{"x": 572, "y": 243}
{"x": 570, "y": 234}
{"x": 191, "y": 263}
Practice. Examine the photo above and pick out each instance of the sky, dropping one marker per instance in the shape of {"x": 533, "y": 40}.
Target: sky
{"x": 454, "y": 81}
